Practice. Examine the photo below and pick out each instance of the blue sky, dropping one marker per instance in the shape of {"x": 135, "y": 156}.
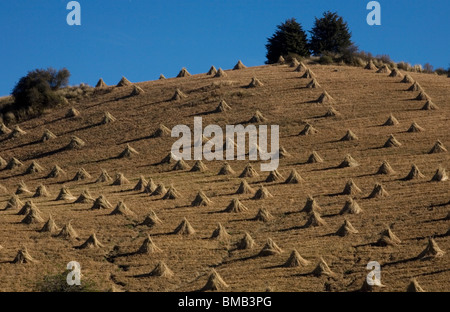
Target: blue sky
{"x": 142, "y": 38}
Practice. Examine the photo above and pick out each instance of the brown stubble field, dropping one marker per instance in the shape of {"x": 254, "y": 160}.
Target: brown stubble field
{"x": 365, "y": 99}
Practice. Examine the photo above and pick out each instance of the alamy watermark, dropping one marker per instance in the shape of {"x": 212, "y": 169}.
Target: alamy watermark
{"x": 215, "y": 148}
{"x": 74, "y": 16}
{"x": 74, "y": 276}
{"x": 374, "y": 276}
{"x": 374, "y": 17}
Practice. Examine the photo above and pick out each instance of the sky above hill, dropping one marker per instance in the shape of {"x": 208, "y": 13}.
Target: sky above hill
{"x": 140, "y": 39}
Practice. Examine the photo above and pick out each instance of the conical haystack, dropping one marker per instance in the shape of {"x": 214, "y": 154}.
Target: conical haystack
{"x": 396, "y": 73}
{"x": 255, "y": 83}
{"x": 47, "y": 136}
{"x": 294, "y": 63}
{"x": 314, "y": 158}
{"x": 270, "y": 249}
{"x": 415, "y": 87}
{"x": 4, "y": 129}
{"x": 128, "y": 152}
{"x": 294, "y": 178}
{"x": 33, "y": 217}
{"x": 295, "y": 260}
{"x": 388, "y": 238}
{"x": 90, "y": 243}
{"x": 215, "y": 282}
{"x": 263, "y": 215}
{"x": 56, "y": 172}
{"x": 311, "y": 205}
{"x": 212, "y": 71}
{"x": 3, "y": 162}
{"x": 162, "y": 77}
{"x": 385, "y": 168}
{"x": 245, "y": 188}
{"x": 281, "y": 60}
{"x": 184, "y": 228}
{"x": 67, "y": 232}
{"x": 81, "y": 175}
{"x": 151, "y": 219}
{"x": 101, "y": 203}
{"x": 120, "y": 180}
{"x": 17, "y": 132}
{"x": 308, "y": 74}
{"x": 178, "y": 95}
{"x": 348, "y": 162}
{"x": 440, "y": 175}
{"x": 274, "y": 176}
{"x": 222, "y": 107}
{"x": 140, "y": 185}
{"x": 122, "y": 209}
{"x": 171, "y": 193}
{"x": 75, "y": 143}
{"x": 246, "y": 242}
{"x": 314, "y": 219}
{"x": 22, "y": 189}
{"x": 199, "y": 166}
{"x": 239, "y": 65}
{"x": 34, "y": 168}
{"x": 180, "y": 165}
{"x": 201, "y": 200}
{"x": 72, "y": 112}
{"x": 415, "y": 128}
{"x": 41, "y": 191}
{"x": 159, "y": 190}
{"x": 429, "y": 105}
{"x": 249, "y": 172}
{"x": 123, "y": 82}
{"x": 103, "y": 177}
{"x": 346, "y": 229}
{"x": 220, "y": 73}
{"x": 108, "y": 118}
{"x": 161, "y": 270}
{"x": 162, "y": 131}
{"x": 23, "y": 257}
{"x": 221, "y": 234}
{"x": 438, "y": 147}
{"x": 392, "y": 142}
{"x": 101, "y": 83}
{"x": 308, "y": 130}
{"x": 50, "y": 226}
{"x": 313, "y": 84}
{"x": 349, "y": 136}
{"x": 384, "y": 70}
{"x": 432, "y": 251}
{"x": 13, "y": 164}
{"x": 235, "y": 206}
{"x": 370, "y": 66}
{"x": 257, "y": 117}
{"x": 262, "y": 193}
{"x": 283, "y": 153}
{"x": 84, "y": 198}
{"x": 325, "y": 98}
{"x": 13, "y": 203}
{"x": 64, "y": 194}
{"x": 391, "y": 121}
{"x": 148, "y": 246}
{"x": 301, "y": 67}
{"x": 183, "y": 73}
{"x": 407, "y": 79}
{"x": 136, "y": 91}
{"x": 378, "y": 191}
{"x": 29, "y": 205}
{"x": 423, "y": 96}
{"x": 332, "y": 112}
{"x": 226, "y": 170}
{"x": 323, "y": 269}
{"x": 413, "y": 174}
{"x": 150, "y": 187}
{"x": 350, "y": 207}
{"x": 414, "y": 286}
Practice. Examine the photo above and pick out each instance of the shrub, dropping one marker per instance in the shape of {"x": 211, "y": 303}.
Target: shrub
{"x": 326, "y": 60}
{"x": 58, "y": 283}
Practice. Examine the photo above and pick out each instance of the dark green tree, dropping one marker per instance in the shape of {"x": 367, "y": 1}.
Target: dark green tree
{"x": 289, "y": 38}
{"x": 37, "y": 89}
{"x": 330, "y": 34}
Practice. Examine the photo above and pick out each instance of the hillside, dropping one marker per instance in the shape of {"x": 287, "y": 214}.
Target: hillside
{"x": 414, "y": 209}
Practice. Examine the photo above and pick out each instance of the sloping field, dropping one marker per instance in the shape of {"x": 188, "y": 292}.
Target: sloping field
{"x": 415, "y": 210}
